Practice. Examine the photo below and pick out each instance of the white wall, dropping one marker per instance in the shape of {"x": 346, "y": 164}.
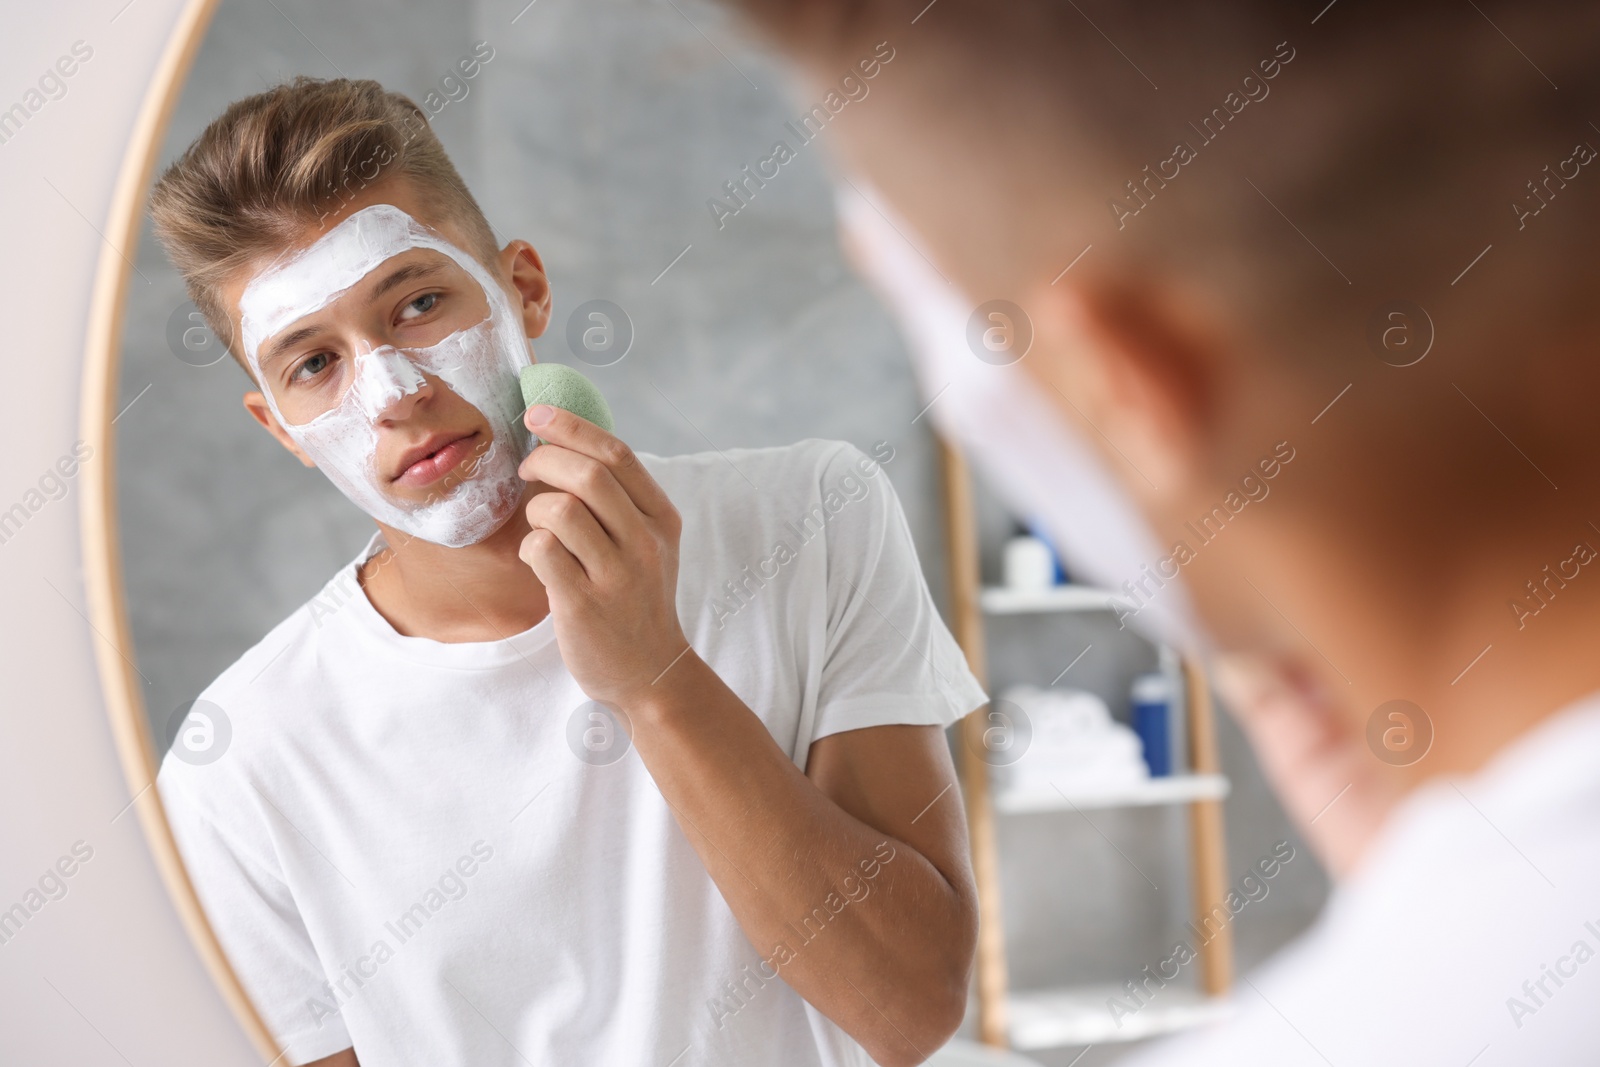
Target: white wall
{"x": 105, "y": 974}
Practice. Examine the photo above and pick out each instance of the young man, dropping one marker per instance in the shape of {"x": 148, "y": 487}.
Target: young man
{"x": 1318, "y": 285}
{"x": 589, "y": 756}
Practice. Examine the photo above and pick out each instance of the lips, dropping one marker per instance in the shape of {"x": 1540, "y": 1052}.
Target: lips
{"x": 434, "y": 457}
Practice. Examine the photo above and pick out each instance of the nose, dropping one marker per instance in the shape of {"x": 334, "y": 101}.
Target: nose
{"x": 387, "y": 383}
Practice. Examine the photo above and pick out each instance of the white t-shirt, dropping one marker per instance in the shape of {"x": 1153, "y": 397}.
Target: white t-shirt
{"x": 1421, "y": 957}
{"x": 429, "y": 851}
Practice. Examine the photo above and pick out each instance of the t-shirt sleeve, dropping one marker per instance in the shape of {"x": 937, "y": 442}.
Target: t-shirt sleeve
{"x": 254, "y": 916}
{"x": 890, "y": 659}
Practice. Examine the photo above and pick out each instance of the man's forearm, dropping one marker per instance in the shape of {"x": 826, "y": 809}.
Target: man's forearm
{"x": 857, "y": 921}
{"x": 891, "y": 967}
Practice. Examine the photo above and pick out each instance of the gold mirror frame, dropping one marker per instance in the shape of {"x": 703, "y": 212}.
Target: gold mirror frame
{"x": 102, "y": 554}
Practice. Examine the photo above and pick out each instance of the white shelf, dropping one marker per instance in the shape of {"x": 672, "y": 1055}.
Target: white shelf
{"x": 959, "y": 1053}
{"x": 1080, "y": 1015}
{"x": 1000, "y": 600}
{"x": 1170, "y": 789}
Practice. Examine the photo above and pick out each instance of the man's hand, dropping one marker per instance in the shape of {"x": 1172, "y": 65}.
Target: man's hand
{"x": 605, "y": 544}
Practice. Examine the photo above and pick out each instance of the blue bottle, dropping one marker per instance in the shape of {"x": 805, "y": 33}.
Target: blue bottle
{"x": 1152, "y": 721}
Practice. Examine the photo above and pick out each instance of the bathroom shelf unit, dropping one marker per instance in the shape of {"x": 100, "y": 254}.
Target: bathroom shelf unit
{"x": 1076, "y": 1015}
{"x": 1073, "y": 1015}
{"x": 998, "y": 600}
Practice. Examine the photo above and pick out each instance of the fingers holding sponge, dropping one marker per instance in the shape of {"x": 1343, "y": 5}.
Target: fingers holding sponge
{"x": 560, "y": 386}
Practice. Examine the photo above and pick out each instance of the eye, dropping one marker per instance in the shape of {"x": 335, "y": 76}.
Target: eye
{"x": 420, "y": 306}
{"x": 313, "y": 366}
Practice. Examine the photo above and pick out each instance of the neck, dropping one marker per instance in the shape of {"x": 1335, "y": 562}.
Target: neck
{"x": 1441, "y": 632}
{"x": 482, "y": 592}
{"x": 1398, "y": 544}
{"x": 1493, "y": 684}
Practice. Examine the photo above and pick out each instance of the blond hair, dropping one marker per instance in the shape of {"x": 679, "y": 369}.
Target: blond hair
{"x": 274, "y": 162}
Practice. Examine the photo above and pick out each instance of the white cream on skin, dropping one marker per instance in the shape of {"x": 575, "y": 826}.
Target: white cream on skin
{"x": 480, "y": 364}
{"x": 1037, "y": 462}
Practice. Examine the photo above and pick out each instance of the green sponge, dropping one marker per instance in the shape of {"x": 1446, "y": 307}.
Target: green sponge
{"x": 560, "y": 386}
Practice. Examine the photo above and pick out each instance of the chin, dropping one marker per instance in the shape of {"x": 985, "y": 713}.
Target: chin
{"x": 470, "y": 510}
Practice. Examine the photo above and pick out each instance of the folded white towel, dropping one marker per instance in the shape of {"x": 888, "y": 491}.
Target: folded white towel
{"x": 1073, "y": 743}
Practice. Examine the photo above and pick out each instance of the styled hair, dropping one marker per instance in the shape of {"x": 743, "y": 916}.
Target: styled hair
{"x": 275, "y": 162}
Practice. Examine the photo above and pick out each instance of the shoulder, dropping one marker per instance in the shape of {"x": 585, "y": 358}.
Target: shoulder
{"x": 291, "y": 653}
{"x": 809, "y": 467}
{"x": 283, "y": 651}
{"x": 272, "y": 689}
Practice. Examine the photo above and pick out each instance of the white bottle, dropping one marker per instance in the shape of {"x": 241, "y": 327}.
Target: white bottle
{"x": 1028, "y": 565}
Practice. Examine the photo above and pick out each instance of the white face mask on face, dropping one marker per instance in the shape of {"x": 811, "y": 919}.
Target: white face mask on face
{"x": 480, "y": 364}
{"x": 1037, "y": 463}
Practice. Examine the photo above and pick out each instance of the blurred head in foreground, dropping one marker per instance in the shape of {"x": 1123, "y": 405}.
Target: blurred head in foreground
{"x": 1329, "y": 316}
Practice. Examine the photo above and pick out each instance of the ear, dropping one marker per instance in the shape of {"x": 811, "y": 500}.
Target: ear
{"x": 521, "y": 263}
{"x": 256, "y": 405}
{"x": 1141, "y": 373}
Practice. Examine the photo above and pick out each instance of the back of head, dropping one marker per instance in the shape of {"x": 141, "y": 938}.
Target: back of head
{"x": 1218, "y": 143}
{"x": 1243, "y": 192}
